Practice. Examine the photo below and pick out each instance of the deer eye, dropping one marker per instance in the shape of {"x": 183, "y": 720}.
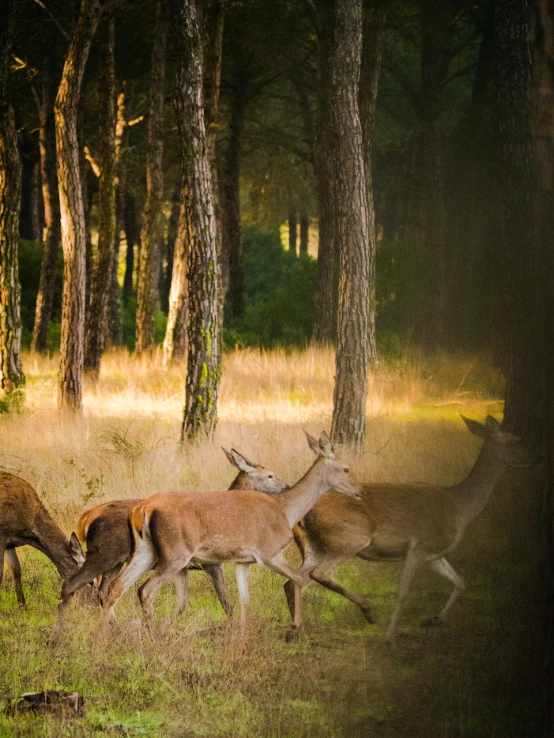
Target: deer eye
{"x": 270, "y": 476}
{"x": 346, "y": 469}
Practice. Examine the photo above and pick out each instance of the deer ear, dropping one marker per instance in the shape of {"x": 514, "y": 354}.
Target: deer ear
{"x": 478, "y": 429}
{"x": 229, "y": 456}
{"x": 241, "y": 462}
{"x": 492, "y": 424}
{"x": 325, "y": 446}
{"x": 76, "y": 549}
{"x": 313, "y": 443}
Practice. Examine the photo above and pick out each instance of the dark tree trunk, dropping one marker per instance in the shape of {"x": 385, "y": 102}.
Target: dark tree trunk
{"x": 51, "y": 199}
{"x": 172, "y": 228}
{"x": 152, "y": 227}
{"x": 232, "y": 269}
{"x": 293, "y": 228}
{"x": 96, "y": 324}
{"x": 29, "y": 216}
{"x": 175, "y": 341}
{"x": 71, "y": 207}
{"x": 11, "y": 373}
{"x": 130, "y": 228}
{"x": 372, "y": 42}
{"x": 304, "y": 234}
{"x": 324, "y": 307}
{"x": 204, "y": 340}
{"x": 353, "y": 344}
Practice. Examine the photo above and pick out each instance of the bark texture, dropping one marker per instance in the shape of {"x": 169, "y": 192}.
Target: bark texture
{"x": 51, "y": 199}
{"x": 29, "y": 216}
{"x": 96, "y": 323}
{"x": 72, "y": 209}
{"x": 204, "y": 339}
{"x": 152, "y": 227}
{"x": 130, "y": 228}
{"x": 175, "y": 341}
{"x": 353, "y": 344}
{"x": 11, "y": 373}
{"x": 304, "y": 234}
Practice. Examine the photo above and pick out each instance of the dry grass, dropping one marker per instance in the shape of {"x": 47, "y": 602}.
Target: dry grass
{"x": 338, "y": 680}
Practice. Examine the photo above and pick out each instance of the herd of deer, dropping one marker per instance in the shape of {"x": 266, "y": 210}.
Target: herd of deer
{"x": 173, "y": 532}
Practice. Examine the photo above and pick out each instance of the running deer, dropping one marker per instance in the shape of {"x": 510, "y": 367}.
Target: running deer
{"x": 171, "y": 530}
{"x": 417, "y": 523}
{"x": 24, "y": 521}
{"x": 105, "y": 530}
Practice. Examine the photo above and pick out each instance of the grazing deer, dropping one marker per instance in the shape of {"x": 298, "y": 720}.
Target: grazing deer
{"x": 417, "y": 523}
{"x": 172, "y": 529}
{"x": 105, "y": 529}
{"x": 24, "y": 521}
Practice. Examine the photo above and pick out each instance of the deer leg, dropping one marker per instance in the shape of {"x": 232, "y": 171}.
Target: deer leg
{"x": 181, "y": 586}
{"x": 442, "y": 567}
{"x": 143, "y": 559}
{"x": 323, "y": 574}
{"x": 242, "y": 573}
{"x": 215, "y": 572}
{"x": 412, "y": 563}
{"x": 15, "y": 566}
{"x": 107, "y": 580}
{"x": 279, "y": 564}
{"x": 163, "y": 574}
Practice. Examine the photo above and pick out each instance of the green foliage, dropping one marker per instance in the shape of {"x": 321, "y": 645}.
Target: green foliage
{"x": 279, "y": 292}
{"x": 128, "y": 319}
{"x": 30, "y": 260}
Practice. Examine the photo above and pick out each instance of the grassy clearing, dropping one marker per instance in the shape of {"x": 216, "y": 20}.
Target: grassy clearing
{"x": 479, "y": 676}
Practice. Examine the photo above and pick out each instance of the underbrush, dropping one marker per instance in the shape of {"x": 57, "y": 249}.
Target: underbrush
{"x": 478, "y": 676}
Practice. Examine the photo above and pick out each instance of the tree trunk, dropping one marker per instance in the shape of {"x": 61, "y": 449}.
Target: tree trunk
{"x": 324, "y": 299}
{"x": 152, "y": 228}
{"x": 353, "y": 345}
{"x": 232, "y": 269}
{"x": 175, "y": 341}
{"x": 95, "y": 336}
{"x": 204, "y": 339}
{"x": 130, "y": 228}
{"x": 372, "y": 42}
{"x": 293, "y": 227}
{"x": 51, "y": 198}
{"x": 71, "y": 207}
{"x": 172, "y": 229}
{"x": 11, "y": 373}
{"x": 304, "y": 234}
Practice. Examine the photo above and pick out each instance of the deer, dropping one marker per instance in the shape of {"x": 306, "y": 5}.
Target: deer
{"x": 24, "y": 521}
{"x": 417, "y": 523}
{"x": 171, "y": 530}
{"x": 105, "y": 530}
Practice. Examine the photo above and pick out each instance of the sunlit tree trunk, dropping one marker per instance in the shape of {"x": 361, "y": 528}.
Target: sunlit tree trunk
{"x": 11, "y": 373}
{"x": 203, "y": 365}
{"x": 353, "y": 356}
{"x": 51, "y": 198}
{"x": 152, "y": 228}
{"x": 175, "y": 341}
{"x": 96, "y": 325}
{"x": 71, "y": 207}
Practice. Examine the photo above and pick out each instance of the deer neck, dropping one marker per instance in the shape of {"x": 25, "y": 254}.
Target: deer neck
{"x": 475, "y": 490}
{"x": 54, "y": 544}
{"x": 302, "y": 496}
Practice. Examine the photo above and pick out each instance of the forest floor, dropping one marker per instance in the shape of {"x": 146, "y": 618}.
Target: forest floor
{"x": 479, "y": 675}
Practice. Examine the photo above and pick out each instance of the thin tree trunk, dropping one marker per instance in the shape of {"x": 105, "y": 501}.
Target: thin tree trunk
{"x": 324, "y": 312}
{"x": 29, "y": 217}
{"x": 293, "y": 228}
{"x": 232, "y": 269}
{"x": 130, "y": 228}
{"x": 172, "y": 228}
{"x": 95, "y": 335}
{"x": 304, "y": 234}
{"x": 11, "y": 373}
{"x": 203, "y": 370}
{"x": 152, "y": 229}
{"x": 51, "y": 198}
{"x": 372, "y": 42}
{"x": 175, "y": 341}
{"x": 353, "y": 347}
{"x": 71, "y": 207}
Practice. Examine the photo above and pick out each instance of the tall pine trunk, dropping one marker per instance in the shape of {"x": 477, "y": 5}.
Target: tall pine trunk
{"x": 11, "y": 373}
{"x": 51, "y": 199}
{"x": 95, "y": 335}
{"x": 353, "y": 343}
{"x": 304, "y": 234}
{"x": 72, "y": 208}
{"x": 204, "y": 340}
{"x": 130, "y": 228}
{"x": 152, "y": 227}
